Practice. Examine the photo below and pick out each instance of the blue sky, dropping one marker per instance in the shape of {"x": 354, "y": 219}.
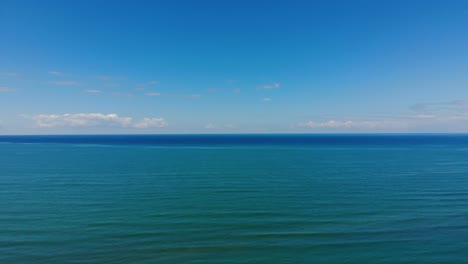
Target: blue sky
{"x": 84, "y": 67}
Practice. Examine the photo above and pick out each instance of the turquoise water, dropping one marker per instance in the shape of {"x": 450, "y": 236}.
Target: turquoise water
{"x": 382, "y": 200}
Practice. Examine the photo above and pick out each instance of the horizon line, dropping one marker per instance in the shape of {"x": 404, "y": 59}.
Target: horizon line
{"x": 247, "y": 134}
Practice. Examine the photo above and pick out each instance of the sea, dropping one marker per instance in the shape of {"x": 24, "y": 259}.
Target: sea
{"x": 176, "y": 199}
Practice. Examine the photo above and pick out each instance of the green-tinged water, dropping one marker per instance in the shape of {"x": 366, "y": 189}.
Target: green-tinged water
{"x": 66, "y": 203}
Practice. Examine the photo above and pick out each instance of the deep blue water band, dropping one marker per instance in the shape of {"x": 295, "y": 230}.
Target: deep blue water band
{"x": 251, "y": 139}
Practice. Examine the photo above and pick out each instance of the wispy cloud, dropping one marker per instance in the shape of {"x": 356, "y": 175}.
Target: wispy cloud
{"x": 142, "y": 86}
{"x": 446, "y": 116}
{"x": 153, "y": 94}
{"x": 212, "y": 90}
{"x": 270, "y": 86}
{"x": 422, "y": 116}
{"x": 213, "y": 126}
{"x": 460, "y": 102}
{"x": 94, "y": 120}
{"x": 266, "y": 99}
{"x": 439, "y": 106}
{"x": 105, "y": 77}
{"x": 122, "y": 94}
{"x": 193, "y": 96}
{"x": 65, "y": 83}
{"x": 374, "y": 124}
{"x": 110, "y": 84}
{"x": 237, "y": 90}
{"x": 9, "y": 74}
{"x": 328, "y": 124}
{"x": 210, "y": 126}
{"x": 56, "y": 73}
{"x": 81, "y": 120}
{"x": 442, "y": 111}
{"x": 151, "y": 122}
{"x": 4, "y": 89}
{"x": 92, "y": 91}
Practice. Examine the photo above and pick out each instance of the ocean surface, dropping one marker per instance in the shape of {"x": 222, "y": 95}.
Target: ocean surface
{"x": 234, "y": 199}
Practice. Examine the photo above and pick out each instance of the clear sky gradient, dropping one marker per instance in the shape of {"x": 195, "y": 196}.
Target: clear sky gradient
{"x": 85, "y": 67}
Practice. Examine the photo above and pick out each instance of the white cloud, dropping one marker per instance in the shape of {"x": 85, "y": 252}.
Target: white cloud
{"x": 422, "y": 116}
{"x": 81, "y": 120}
{"x": 7, "y": 89}
{"x": 213, "y": 126}
{"x": 122, "y": 94}
{"x": 93, "y": 120}
{"x": 65, "y": 83}
{"x": 328, "y": 124}
{"x": 374, "y": 124}
{"x": 92, "y": 91}
{"x": 151, "y": 122}
{"x": 210, "y": 126}
{"x": 56, "y": 73}
{"x": 153, "y": 94}
{"x": 270, "y": 86}
{"x": 237, "y": 90}
{"x": 441, "y": 111}
{"x": 142, "y": 86}
{"x": 266, "y": 99}
{"x": 9, "y": 74}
